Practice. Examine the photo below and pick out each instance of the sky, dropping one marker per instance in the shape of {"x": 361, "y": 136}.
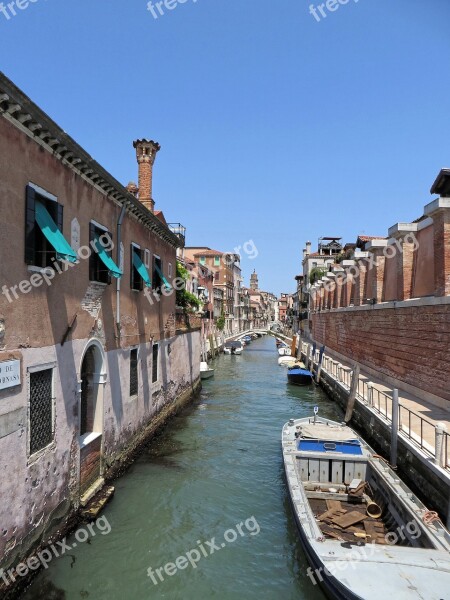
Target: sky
{"x": 276, "y": 126}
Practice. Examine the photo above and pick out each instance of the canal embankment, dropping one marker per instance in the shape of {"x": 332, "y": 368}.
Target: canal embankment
{"x": 423, "y": 447}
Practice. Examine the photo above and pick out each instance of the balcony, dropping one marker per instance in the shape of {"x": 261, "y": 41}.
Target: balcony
{"x": 178, "y": 230}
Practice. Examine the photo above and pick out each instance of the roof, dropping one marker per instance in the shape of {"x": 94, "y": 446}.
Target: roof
{"x": 441, "y": 185}
{"x": 368, "y": 238}
{"x": 29, "y": 118}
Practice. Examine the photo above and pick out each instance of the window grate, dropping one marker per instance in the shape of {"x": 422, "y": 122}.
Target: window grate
{"x": 133, "y": 372}
{"x": 155, "y": 363}
{"x": 41, "y": 410}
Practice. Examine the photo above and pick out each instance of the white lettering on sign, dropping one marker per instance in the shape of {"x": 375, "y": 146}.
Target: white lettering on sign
{"x": 9, "y": 374}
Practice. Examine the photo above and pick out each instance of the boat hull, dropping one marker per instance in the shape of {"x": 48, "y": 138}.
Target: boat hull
{"x": 207, "y": 374}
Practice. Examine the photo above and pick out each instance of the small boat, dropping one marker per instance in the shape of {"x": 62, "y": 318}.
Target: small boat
{"x": 247, "y": 339}
{"x": 279, "y": 343}
{"x": 284, "y": 351}
{"x": 287, "y": 361}
{"x": 365, "y": 534}
{"x": 298, "y": 375}
{"x": 233, "y": 347}
{"x": 205, "y": 371}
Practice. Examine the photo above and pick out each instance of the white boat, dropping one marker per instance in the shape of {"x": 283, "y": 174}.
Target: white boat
{"x": 233, "y": 347}
{"x": 205, "y": 371}
{"x": 284, "y": 351}
{"x": 393, "y": 547}
{"x": 287, "y": 361}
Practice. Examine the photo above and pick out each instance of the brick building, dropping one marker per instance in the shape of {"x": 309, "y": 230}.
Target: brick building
{"x": 89, "y": 358}
{"x": 389, "y": 307}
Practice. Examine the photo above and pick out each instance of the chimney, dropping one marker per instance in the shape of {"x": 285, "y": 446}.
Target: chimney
{"x": 133, "y": 188}
{"x": 304, "y": 253}
{"x": 146, "y": 153}
{"x": 308, "y": 248}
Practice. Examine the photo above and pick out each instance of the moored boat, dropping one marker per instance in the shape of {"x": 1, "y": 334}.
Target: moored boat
{"x": 365, "y": 534}
{"x": 206, "y": 372}
{"x": 284, "y": 351}
{"x": 299, "y": 375}
{"x": 287, "y": 361}
{"x": 234, "y": 347}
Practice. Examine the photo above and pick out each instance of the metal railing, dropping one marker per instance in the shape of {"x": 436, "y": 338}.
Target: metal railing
{"x": 412, "y": 424}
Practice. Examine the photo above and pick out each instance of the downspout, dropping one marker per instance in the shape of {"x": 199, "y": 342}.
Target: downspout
{"x": 119, "y": 241}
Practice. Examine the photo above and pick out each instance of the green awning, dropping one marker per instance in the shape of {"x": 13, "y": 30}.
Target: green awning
{"x": 141, "y": 269}
{"x": 113, "y": 269}
{"x": 49, "y": 228}
{"x": 164, "y": 280}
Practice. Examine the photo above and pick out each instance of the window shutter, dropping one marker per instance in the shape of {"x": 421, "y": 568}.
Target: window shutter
{"x": 141, "y": 281}
{"x": 109, "y": 279}
{"x": 59, "y": 217}
{"x": 131, "y": 267}
{"x": 30, "y": 226}
{"x": 93, "y": 257}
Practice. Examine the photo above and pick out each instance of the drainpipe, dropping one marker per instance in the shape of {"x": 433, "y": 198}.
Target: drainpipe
{"x": 119, "y": 240}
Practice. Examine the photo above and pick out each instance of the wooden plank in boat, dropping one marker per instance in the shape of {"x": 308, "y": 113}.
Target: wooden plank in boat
{"x": 334, "y": 505}
{"x": 348, "y": 519}
{"x": 376, "y": 531}
{"x": 304, "y": 469}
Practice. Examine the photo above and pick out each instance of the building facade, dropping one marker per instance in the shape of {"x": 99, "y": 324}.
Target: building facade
{"x": 89, "y": 356}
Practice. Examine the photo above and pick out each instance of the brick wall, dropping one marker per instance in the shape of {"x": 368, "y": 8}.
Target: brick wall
{"x": 411, "y": 344}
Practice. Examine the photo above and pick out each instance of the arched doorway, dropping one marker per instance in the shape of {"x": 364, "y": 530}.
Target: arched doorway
{"x": 91, "y": 384}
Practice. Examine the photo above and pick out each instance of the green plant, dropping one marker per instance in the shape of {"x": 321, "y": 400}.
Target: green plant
{"x": 185, "y": 299}
{"x": 316, "y": 273}
{"x": 220, "y": 324}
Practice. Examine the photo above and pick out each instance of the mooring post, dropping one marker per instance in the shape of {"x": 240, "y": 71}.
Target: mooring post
{"x": 352, "y": 396}
{"x": 394, "y": 431}
{"x": 319, "y": 366}
{"x": 299, "y": 349}
{"x": 440, "y": 432}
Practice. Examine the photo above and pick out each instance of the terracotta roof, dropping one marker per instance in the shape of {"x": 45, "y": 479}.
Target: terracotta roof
{"x": 209, "y": 253}
{"x": 368, "y": 238}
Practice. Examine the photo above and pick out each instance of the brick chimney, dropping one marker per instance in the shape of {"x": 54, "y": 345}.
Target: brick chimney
{"x": 146, "y": 153}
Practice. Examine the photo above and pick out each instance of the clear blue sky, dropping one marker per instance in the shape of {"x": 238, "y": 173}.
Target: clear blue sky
{"x": 274, "y": 127}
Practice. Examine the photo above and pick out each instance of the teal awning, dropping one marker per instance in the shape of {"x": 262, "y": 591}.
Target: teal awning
{"x": 141, "y": 269}
{"x": 164, "y": 280}
{"x": 113, "y": 269}
{"x": 49, "y": 228}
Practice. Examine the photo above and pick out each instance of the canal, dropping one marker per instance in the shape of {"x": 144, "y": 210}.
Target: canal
{"x": 216, "y": 465}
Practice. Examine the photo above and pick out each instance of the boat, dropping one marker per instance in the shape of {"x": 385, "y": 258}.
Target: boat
{"x": 279, "y": 343}
{"x": 247, "y": 339}
{"x": 365, "y": 534}
{"x": 206, "y": 372}
{"x": 287, "y": 361}
{"x": 233, "y": 347}
{"x": 299, "y": 375}
{"x": 284, "y": 351}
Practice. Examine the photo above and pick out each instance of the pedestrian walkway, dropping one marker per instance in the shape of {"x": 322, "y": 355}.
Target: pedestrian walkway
{"x": 417, "y": 418}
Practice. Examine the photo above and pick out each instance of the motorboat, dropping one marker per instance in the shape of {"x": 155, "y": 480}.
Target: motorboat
{"x": 206, "y": 372}
{"x": 299, "y": 375}
{"x": 284, "y": 351}
{"x": 234, "y": 347}
{"x": 365, "y": 534}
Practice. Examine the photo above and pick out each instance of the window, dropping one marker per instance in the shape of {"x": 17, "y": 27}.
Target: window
{"x": 98, "y": 271}
{"x": 38, "y": 250}
{"x": 41, "y": 409}
{"x": 136, "y": 281}
{"x": 216, "y": 276}
{"x": 217, "y": 261}
{"x": 134, "y": 372}
{"x": 157, "y": 273}
{"x": 155, "y": 363}
{"x": 202, "y": 260}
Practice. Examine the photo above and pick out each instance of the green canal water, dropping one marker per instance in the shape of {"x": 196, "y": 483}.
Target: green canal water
{"x": 216, "y": 465}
